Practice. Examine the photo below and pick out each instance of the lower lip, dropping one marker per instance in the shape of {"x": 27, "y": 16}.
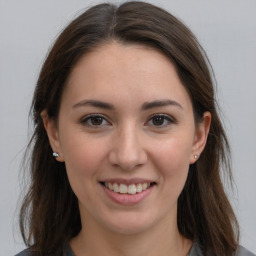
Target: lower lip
{"x": 127, "y": 199}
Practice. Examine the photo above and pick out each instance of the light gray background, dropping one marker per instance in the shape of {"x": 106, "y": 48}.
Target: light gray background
{"x": 227, "y": 31}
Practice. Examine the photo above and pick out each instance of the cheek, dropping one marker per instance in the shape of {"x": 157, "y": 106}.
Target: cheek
{"x": 83, "y": 158}
{"x": 172, "y": 159}
{"x": 174, "y": 152}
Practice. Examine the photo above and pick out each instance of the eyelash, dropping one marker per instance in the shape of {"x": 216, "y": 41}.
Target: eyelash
{"x": 90, "y": 117}
{"x": 166, "y": 119}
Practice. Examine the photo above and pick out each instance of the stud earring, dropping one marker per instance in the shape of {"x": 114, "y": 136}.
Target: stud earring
{"x": 196, "y": 156}
{"x": 55, "y": 154}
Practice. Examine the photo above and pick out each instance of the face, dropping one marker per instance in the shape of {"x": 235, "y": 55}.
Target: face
{"x": 127, "y": 135}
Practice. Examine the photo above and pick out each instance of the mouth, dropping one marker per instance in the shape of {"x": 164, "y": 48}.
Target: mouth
{"x": 129, "y": 189}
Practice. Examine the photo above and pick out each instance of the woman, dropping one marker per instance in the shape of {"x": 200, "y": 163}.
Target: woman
{"x": 128, "y": 144}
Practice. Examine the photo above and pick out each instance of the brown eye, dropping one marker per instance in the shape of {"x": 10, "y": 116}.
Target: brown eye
{"x": 160, "y": 120}
{"x": 94, "y": 120}
{"x": 97, "y": 120}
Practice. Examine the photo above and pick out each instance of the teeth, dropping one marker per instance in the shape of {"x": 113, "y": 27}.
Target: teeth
{"x": 144, "y": 186}
{"x": 130, "y": 189}
{"x": 139, "y": 188}
{"x": 123, "y": 189}
{"x": 116, "y": 187}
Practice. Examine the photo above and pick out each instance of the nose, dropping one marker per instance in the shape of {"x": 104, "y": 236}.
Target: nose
{"x": 127, "y": 151}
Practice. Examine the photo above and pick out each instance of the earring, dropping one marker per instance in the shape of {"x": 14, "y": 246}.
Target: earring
{"x": 55, "y": 154}
{"x": 196, "y": 156}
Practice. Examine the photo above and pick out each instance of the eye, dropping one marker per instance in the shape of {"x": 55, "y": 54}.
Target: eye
{"x": 94, "y": 120}
{"x": 160, "y": 120}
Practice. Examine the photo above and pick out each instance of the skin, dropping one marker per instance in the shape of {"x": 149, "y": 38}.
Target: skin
{"x": 127, "y": 142}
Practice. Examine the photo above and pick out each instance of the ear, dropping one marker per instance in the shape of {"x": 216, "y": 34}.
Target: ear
{"x": 200, "y": 139}
{"x": 53, "y": 135}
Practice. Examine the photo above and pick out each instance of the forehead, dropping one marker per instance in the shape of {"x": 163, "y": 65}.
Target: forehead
{"x": 116, "y": 70}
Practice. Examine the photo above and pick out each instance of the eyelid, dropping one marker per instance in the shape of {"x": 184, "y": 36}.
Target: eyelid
{"x": 167, "y": 117}
{"x": 85, "y": 118}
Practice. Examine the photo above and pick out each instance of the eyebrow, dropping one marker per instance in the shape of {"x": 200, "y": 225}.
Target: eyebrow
{"x": 94, "y": 103}
{"x": 160, "y": 103}
{"x": 145, "y": 106}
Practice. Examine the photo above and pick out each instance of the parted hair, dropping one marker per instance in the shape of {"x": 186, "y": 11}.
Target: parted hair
{"x": 49, "y": 215}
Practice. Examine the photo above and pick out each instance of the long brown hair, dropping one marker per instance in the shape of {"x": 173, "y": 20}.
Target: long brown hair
{"x": 49, "y": 215}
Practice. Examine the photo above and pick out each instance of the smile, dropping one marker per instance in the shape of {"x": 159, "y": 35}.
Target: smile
{"x": 128, "y": 189}
{"x": 128, "y": 192}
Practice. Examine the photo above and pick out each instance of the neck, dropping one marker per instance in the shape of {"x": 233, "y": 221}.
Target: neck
{"x": 162, "y": 240}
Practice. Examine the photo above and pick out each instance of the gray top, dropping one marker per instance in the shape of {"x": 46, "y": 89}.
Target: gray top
{"x": 195, "y": 251}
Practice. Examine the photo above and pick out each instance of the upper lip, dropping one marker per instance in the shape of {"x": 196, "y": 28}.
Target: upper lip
{"x": 127, "y": 181}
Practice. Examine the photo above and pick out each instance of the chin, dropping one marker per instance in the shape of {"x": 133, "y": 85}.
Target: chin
{"x": 131, "y": 223}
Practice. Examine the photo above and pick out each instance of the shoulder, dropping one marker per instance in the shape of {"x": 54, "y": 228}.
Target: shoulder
{"x": 26, "y": 252}
{"x": 196, "y": 250}
{"x": 243, "y": 252}
{"x": 65, "y": 251}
